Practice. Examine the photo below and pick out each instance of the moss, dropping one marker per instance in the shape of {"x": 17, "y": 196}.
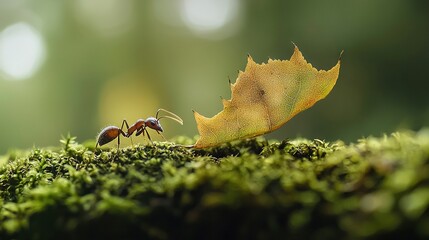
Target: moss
{"x": 253, "y": 189}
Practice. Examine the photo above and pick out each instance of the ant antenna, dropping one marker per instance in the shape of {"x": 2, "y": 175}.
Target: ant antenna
{"x": 173, "y": 116}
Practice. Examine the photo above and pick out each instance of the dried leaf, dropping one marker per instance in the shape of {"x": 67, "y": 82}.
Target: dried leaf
{"x": 264, "y": 97}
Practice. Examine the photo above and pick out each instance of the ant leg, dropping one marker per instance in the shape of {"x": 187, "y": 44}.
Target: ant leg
{"x": 162, "y": 136}
{"x": 119, "y": 141}
{"x": 148, "y": 136}
{"x": 126, "y": 135}
{"x": 140, "y": 131}
{"x": 126, "y": 124}
{"x": 131, "y": 138}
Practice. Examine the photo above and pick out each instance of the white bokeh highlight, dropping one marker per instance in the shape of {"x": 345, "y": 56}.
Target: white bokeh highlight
{"x": 22, "y": 51}
{"x": 209, "y": 16}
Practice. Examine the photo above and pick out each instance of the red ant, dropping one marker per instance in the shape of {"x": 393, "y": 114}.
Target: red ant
{"x": 109, "y": 133}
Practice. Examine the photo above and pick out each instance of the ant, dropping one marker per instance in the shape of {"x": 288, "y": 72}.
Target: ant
{"x": 109, "y": 133}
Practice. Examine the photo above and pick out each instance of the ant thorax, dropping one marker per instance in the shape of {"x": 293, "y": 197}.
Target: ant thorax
{"x": 137, "y": 125}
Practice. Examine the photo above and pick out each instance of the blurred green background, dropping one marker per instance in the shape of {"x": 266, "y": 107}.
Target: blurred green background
{"x": 78, "y": 66}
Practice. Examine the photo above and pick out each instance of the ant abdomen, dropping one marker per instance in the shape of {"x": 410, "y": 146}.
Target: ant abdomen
{"x": 108, "y": 134}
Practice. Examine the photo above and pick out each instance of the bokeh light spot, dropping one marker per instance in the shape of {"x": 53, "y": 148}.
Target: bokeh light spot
{"x": 22, "y": 51}
{"x": 208, "y": 16}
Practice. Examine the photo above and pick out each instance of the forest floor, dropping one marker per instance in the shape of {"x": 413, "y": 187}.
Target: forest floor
{"x": 251, "y": 189}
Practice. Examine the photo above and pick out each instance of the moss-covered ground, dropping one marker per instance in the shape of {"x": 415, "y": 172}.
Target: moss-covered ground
{"x": 376, "y": 188}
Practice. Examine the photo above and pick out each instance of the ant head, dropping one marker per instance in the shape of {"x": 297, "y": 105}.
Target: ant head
{"x": 153, "y": 123}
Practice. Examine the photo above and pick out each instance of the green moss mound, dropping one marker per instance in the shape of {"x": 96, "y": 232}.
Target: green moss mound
{"x": 297, "y": 189}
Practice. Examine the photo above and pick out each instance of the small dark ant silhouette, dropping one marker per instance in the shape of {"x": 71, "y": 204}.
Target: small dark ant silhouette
{"x": 109, "y": 133}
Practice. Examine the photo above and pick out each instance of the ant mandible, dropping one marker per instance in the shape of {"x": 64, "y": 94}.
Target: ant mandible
{"x": 109, "y": 133}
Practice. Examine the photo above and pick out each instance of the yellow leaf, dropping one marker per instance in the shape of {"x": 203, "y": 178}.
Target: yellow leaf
{"x": 264, "y": 97}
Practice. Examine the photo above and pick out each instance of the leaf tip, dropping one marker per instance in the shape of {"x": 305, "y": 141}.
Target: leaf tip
{"x": 341, "y": 55}
{"x": 294, "y": 45}
{"x": 229, "y": 81}
{"x": 198, "y": 117}
{"x": 225, "y": 102}
{"x": 249, "y": 58}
